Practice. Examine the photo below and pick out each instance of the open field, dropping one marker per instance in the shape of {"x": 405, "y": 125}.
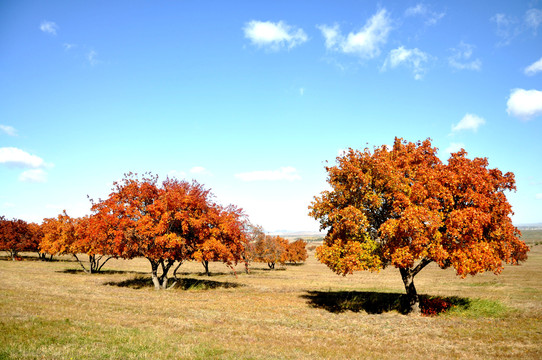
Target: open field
{"x": 51, "y": 310}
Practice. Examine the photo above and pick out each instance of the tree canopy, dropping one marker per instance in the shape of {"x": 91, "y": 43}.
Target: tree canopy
{"x": 404, "y": 207}
{"x": 168, "y": 222}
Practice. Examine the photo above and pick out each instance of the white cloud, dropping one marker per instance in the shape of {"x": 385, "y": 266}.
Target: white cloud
{"x": 431, "y": 17}
{"x": 301, "y": 91}
{"x": 533, "y": 19}
{"x": 9, "y": 130}
{"x": 454, "y": 147}
{"x": 461, "y": 58}
{"x": 534, "y": 67}
{"x": 469, "y": 122}
{"x": 274, "y": 36}
{"x": 332, "y": 35}
{"x": 48, "y": 27}
{"x": 365, "y": 43}
{"x": 284, "y": 173}
{"x": 34, "y": 175}
{"x": 539, "y": 196}
{"x": 18, "y": 158}
{"x": 524, "y": 104}
{"x": 92, "y": 57}
{"x": 412, "y": 58}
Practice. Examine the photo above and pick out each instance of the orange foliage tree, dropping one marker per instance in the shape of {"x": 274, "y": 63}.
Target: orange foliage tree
{"x": 226, "y": 239}
{"x": 176, "y": 221}
{"x": 404, "y": 207}
{"x": 15, "y": 236}
{"x": 271, "y": 250}
{"x": 296, "y": 251}
{"x": 36, "y": 235}
{"x": 66, "y": 235}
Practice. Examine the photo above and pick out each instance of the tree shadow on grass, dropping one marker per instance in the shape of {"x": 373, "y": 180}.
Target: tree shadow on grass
{"x": 106, "y": 272}
{"x": 373, "y": 302}
{"x": 202, "y": 273}
{"x": 140, "y": 282}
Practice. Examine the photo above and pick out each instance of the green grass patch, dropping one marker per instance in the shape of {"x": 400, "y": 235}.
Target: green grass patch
{"x": 476, "y": 308}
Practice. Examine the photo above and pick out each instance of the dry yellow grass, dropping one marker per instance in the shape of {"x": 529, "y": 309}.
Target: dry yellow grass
{"x": 47, "y": 312}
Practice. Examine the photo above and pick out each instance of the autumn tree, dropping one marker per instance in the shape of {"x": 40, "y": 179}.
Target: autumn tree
{"x": 271, "y": 250}
{"x": 36, "y": 236}
{"x": 165, "y": 223}
{"x": 254, "y": 234}
{"x": 15, "y": 236}
{"x": 226, "y": 239}
{"x": 296, "y": 251}
{"x": 404, "y": 207}
{"x": 65, "y": 235}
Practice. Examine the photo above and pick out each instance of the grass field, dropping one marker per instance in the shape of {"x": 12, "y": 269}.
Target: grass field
{"x": 51, "y": 310}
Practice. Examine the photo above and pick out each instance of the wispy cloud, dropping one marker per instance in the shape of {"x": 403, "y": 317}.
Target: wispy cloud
{"x": 68, "y": 46}
{"x": 15, "y": 157}
{"x": 34, "y": 176}
{"x": 49, "y": 27}
{"x": 9, "y": 130}
{"x": 538, "y": 196}
{"x": 274, "y": 36}
{"x": 509, "y": 27}
{"x": 534, "y": 68}
{"x": 284, "y": 173}
{"x": 524, "y": 104}
{"x": 92, "y": 57}
{"x": 469, "y": 122}
{"x": 431, "y": 17}
{"x": 365, "y": 43}
{"x": 415, "y": 59}
{"x": 533, "y": 19}
{"x": 461, "y": 58}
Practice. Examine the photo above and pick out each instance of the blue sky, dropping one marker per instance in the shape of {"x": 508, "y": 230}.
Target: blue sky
{"x": 250, "y": 98}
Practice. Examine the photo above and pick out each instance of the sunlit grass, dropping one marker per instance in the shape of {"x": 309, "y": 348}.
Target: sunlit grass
{"x": 50, "y": 310}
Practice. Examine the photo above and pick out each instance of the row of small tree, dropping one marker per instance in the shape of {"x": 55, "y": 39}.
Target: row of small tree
{"x": 17, "y": 236}
{"x": 166, "y": 223}
{"x": 274, "y": 249}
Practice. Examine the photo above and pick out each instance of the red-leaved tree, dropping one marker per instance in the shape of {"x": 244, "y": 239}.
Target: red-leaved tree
{"x": 296, "y": 251}
{"x": 65, "y": 235}
{"x": 404, "y": 207}
{"x": 15, "y": 236}
{"x": 166, "y": 223}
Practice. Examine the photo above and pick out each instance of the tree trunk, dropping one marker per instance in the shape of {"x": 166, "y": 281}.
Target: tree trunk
{"x": 155, "y": 279}
{"x": 89, "y": 270}
{"x": 94, "y": 261}
{"x": 247, "y": 270}
{"x": 206, "y": 266}
{"x": 413, "y": 300}
{"x": 160, "y": 282}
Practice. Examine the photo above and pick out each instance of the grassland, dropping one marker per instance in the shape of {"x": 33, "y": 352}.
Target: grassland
{"x": 51, "y": 310}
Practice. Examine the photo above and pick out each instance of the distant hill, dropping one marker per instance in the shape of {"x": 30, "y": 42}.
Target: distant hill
{"x": 535, "y": 226}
